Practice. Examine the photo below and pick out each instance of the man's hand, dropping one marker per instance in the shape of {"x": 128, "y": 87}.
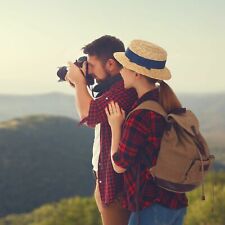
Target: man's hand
{"x": 74, "y": 74}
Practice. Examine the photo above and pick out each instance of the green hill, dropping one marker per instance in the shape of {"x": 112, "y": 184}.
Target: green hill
{"x": 83, "y": 210}
{"x": 43, "y": 158}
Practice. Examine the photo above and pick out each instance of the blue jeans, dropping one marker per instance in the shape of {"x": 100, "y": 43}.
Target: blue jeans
{"x": 158, "y": 214}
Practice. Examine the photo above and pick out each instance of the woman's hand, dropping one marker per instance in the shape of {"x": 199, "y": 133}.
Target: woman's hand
{"x": 74, "y": 74}
{"x": 115, "y": 115}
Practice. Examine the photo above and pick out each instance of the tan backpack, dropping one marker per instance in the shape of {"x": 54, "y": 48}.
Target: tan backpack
{"x": 184, "y": 157}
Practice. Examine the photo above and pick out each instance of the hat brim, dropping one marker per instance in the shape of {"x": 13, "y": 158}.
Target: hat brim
{"x": 161, "y": 74}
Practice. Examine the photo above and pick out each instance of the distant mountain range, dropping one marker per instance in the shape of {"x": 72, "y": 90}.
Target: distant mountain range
{"x": 59, "y": 104}
{"x": 210, "y": 109}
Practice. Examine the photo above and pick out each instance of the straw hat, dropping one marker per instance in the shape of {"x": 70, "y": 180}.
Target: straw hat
{"x": 145, "y": 58}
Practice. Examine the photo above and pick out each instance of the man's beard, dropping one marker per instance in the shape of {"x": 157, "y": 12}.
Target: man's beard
{"x": 107, "y": 73}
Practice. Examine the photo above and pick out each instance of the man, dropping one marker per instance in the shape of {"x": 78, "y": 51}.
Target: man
{"x": 109, "y": 184}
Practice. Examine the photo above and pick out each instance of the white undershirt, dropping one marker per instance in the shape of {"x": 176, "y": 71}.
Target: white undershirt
{"x": 96, "y": 147}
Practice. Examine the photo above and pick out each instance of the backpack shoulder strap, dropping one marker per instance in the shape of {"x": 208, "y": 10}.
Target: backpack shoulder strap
{"x": 150, "y": 105}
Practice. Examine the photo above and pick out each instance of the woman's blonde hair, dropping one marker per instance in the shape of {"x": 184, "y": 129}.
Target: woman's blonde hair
{"x": 167, "y": 97}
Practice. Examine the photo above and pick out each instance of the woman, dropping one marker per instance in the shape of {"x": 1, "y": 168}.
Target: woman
{"x": 138, "y": 138}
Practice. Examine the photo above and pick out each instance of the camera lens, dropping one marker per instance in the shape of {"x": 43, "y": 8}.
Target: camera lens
{"x": 61, "y": 73}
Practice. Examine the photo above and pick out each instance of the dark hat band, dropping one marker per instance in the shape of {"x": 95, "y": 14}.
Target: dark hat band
{"x": 141, "y": 61}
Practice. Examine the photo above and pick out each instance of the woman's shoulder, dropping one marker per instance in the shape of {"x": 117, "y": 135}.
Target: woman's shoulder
{"x": 138, "y": 114}
{"x": 145, "y": 119}
{"x": 144, "y": 114}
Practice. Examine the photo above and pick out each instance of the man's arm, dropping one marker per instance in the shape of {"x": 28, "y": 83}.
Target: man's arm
{"x": 82, "y": 100}
{"x": 82, "y": 97}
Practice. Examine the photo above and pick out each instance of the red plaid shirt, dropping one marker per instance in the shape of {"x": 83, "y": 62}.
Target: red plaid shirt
{"x": 142, "y": 131}
{"x": 110, "y": 182}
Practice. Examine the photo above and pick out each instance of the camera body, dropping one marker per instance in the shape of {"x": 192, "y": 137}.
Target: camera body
{"x": 62, "y": 71}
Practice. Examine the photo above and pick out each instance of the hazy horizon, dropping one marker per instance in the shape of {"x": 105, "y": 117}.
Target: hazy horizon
{"x": 71, "y": 93}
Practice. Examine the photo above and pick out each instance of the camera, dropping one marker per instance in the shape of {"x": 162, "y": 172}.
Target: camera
{"x": 62, "y": 71}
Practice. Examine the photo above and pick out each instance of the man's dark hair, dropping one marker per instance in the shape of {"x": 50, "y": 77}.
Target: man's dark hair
{"x": 104, "y": 47}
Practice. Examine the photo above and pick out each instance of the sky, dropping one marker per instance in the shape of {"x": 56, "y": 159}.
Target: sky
{"x": 38, "y": 36}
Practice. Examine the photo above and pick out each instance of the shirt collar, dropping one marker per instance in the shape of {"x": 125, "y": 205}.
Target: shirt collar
{"x": 149, "y": 95}
{"x": 106, "y": 84}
